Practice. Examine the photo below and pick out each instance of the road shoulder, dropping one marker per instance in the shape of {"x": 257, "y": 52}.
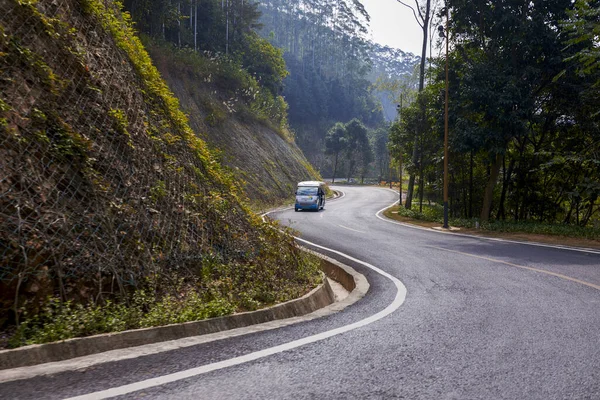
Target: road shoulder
{"x": 30, "y": 361}
{"x": 516, "y": 237}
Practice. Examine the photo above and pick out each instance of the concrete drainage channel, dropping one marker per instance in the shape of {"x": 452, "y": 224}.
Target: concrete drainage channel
{"x": 319, "y": 302}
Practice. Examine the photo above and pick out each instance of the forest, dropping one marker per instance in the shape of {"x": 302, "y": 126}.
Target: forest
{"x": 337, "y": 75}
{"x": 523, "y": 95}
{"x": 310, "y": 63}
{"x": 524, "y": 137}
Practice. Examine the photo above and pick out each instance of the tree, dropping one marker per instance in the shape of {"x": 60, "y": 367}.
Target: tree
{"x": 430, "y": 142}
{"x": 358, "y": 149}
{"x": 380, "y": 151}
{"x": 583, "y": 28}
{"x": 422, "y": 14}
{"x": 265, "y": 61}
{"x": 336, "y": 142}
{"x": 219, "y": 27}
{"x": 524, "y": 121}
{"x": 365, "y": 159}
{"x": 509, "y": 55}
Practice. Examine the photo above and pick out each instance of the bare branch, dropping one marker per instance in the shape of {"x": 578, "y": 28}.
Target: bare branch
{"x": 419, "y": 10}
{"x": 414, "y": 12}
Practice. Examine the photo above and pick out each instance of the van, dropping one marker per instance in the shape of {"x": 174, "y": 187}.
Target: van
{"x": 310, "y": 195}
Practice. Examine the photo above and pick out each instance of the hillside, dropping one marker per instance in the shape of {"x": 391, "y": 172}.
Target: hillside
{"x": 107, "y": 196}
{"x": 263, "y": 156}
{"x": 326, "y": 51}
{"x": 393, "y": 73}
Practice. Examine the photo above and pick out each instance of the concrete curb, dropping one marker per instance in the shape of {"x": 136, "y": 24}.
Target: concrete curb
{"x": 320, "y": 297}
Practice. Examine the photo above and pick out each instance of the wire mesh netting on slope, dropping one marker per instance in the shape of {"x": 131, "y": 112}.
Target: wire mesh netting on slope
{"x": 102, "y": 183}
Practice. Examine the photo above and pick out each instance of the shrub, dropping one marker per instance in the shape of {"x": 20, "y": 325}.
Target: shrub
{"x": 434, "y": 213}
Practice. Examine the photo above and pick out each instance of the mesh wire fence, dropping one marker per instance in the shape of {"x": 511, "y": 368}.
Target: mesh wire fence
{"x": 99, "y": 186}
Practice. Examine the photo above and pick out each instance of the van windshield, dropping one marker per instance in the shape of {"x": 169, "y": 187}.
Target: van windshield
{"x": 307, "y": 191}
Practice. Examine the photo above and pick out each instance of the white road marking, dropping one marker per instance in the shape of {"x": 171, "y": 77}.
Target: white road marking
{"x": 551, "y": 246}
{"x": 162, "y": 380}
{"x": 343, "y": 194}
{"x": 350, "y": 229}
{"x": 543, "y": 271}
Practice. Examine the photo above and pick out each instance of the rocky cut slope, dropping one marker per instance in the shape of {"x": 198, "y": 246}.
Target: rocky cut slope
{"x": 104, "y": 187}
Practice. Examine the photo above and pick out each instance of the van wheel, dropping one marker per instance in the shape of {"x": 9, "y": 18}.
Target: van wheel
{"x": 296, "y": 209}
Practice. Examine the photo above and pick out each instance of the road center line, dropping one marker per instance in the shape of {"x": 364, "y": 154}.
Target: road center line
{"x": 543, "y": 271}
{"x": 162, "y": 380}
{"x": 350, "y": 229}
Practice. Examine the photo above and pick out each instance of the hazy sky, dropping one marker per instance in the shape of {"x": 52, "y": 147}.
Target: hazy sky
{"x": 393, "y": 24}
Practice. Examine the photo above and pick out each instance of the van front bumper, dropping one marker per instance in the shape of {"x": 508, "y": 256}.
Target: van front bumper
{"x": 307, "y": 206}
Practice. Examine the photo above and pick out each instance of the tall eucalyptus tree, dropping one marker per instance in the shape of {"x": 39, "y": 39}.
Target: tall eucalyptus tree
{"x": 422, "y": 11}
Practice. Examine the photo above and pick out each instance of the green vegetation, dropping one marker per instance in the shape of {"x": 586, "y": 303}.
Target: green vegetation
{"x": 228, "y": 289}
{"x": 120, "y": 121}
{"x": 328, "y": 55}
{"x": 239, "y": 91}
{"x": 352, "y": 142}
{"x": 435, "y": 213}
{"x": 247, "y": 69}
{"x": 121, "y": 28}
{"x": 112, "y": 202}
{"x": 523, "y": 116}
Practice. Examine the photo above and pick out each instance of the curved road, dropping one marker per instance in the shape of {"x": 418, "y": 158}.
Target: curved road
{"x": 482, "y": 319}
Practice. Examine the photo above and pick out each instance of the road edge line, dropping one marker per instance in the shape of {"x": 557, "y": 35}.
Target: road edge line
{"x": 165, "y": 379}
{"x": 537, "y": 244}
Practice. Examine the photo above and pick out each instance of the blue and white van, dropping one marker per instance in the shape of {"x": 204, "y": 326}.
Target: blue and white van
{"x": 310, "y": 195}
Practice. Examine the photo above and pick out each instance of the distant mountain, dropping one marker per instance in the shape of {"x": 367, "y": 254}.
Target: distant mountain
{"x": 392, "y": 63}
{"x": 389, "y": 65}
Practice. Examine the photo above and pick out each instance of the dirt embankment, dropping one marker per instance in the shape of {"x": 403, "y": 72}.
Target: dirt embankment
{"x": 105, "y": 191}
{"x": 259, "y": 155}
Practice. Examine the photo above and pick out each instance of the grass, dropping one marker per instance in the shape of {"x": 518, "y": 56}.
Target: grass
{"x": 432, "y": 216}
{"x": 236, "y": 290}
{"x": 60, "y": 321}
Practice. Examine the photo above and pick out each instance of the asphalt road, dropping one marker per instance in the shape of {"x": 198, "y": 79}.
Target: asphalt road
{"x": 481, "y": 319}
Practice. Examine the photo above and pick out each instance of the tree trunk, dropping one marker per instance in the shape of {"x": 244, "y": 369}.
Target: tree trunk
{"x": 501, "y": 205}
{"x": 411, "y": 182}
{"x": 486, "y": 208}
{"x": 400, "y": 179}
{"x": 465, "y": 195}
{"x": 179, "y": 24}
{"x": 390, "y": 172}
{"x": 415, "y": 155}
{"x": 590, "y": 211}
{"x": 351, "y": 166}
{"x": 471, "y": 186}
{"x": 334, "y": 168}
{"x": 227, "y": 29}
{"x": 505, "y": 181}
{"x": 195, "y": 25}
{"x": 567, "y": 219}
{"x": 421, "y": 183}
